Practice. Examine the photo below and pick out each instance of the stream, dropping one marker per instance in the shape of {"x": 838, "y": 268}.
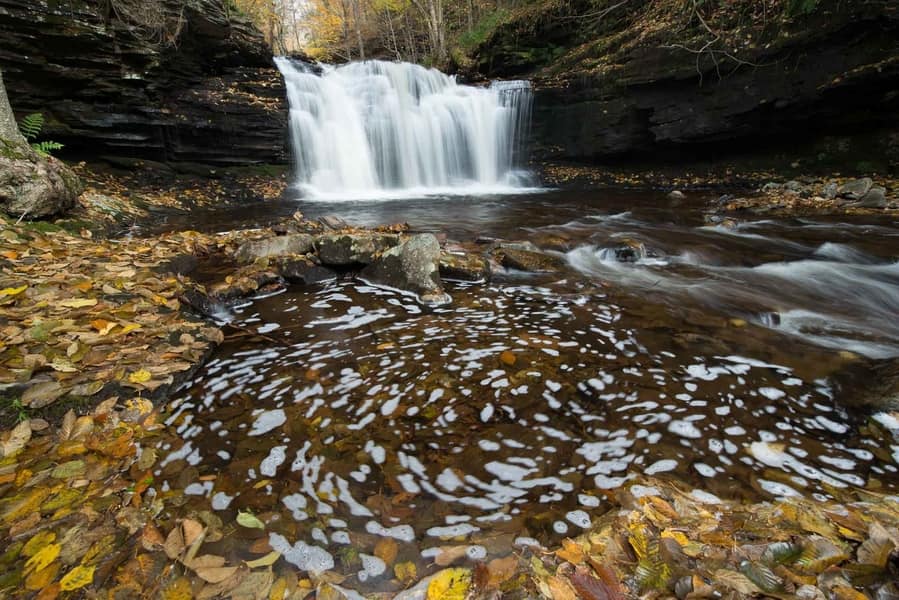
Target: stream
{"x": 716, "y": 355}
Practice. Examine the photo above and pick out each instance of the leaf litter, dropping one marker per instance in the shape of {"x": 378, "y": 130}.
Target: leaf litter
{"x": 100, "y": 323}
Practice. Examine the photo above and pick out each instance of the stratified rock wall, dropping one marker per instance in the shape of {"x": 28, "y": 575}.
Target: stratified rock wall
{"x": 629, "y": 88}
{"x": 208, "y": 94}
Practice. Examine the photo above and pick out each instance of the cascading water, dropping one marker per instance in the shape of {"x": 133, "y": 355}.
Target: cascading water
{"x": 377, "y": 128}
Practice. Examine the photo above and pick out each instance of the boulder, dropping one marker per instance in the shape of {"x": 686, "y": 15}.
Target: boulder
{"x": 411, "y": 266}
{"x": 463, "y": 266}
{"x": 855, "y": 189}
{"x": 874, "y": 198}
{"x": 35, "y": 186}
{"x": 294, "y": 243}
{"x": 676, "y": 195}
{"x": 351, "y": 249}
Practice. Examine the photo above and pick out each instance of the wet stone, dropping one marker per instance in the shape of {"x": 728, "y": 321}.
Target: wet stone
{"x": 297, "y": 243}
{"x": 463, "y": 266}
{"x": 526, "y": 260}
{"x": 856, "y": 189}
{"x": 303, "y": 270}
{"x": 348, "y": 249}
{"x": 874, "y": 198}
{"x": 411, "y": 267}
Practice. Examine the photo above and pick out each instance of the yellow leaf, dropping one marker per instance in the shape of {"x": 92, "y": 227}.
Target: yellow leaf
{"x": 677, "y": 536}
{"x": 249, "y": 520}
{"x": 103, "y": 326}
{"x": 266, "y": 561}
{"x": 12, "y": 291}
{"x": 43, "y": 557}
{"x": 129, "y": 328}
{"x": 78, "y": 302}
{"x": 39, "y": 541}
{"x": 450, "y": 584}
{"x": 178, "y": 590}
{"x": 40, "y": 579}
{"x": 77, "y": 578}
{"x": 141, "y": 376}
{"x": 405, "y": 572}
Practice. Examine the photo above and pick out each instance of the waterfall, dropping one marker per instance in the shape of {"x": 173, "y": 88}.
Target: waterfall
{"x": 375, "y": 128}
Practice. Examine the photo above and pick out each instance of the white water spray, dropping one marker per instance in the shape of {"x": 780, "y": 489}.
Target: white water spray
{"x": 375, "y": 129}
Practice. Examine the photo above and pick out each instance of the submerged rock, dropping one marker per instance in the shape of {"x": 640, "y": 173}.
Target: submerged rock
{"x": 295, "y": 243}
{"x": 349, "y": 249}
{"x": 412, "y": 266}
{"x": 464, "y": 266}
{"x": 676, "y": 195}
{"x": 528, "y": 260}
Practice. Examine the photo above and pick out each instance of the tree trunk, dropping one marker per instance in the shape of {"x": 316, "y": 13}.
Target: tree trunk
{"x": 9, "y": 130}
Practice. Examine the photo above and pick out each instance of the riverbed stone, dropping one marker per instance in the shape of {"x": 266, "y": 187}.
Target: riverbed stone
{"x": 463, "y": 266}
{"x": 411, "y": 266}
{"x": 855, "y": 189}
{"x": 531, "y": 261}
{"x": 301, "y": 269}
{"x": 281, "y": 245}
{"x": 676, "y": 195}
{"x": 349, "y": 249}
{"x": 875, "y": 198}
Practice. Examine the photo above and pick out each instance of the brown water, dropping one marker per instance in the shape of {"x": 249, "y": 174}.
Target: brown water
{"x": 712, "y": 357}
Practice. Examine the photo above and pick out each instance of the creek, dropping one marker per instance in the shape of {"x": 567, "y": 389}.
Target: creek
{"x": 720, "y": 356}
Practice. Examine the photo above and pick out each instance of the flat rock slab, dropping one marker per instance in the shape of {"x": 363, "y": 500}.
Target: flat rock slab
{"x": 526, "y": 260}
{"x": 351, "y": 249}
{"x": 281, "y": 245}
{"x": 464, "y": 266}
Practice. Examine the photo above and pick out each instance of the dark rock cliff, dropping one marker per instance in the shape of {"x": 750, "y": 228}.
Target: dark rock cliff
{"x": 627, "y": 83}
{"x": 202, "y": 89}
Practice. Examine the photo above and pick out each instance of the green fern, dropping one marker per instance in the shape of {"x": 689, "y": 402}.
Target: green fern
{"x": 31, "y": 125}
{"x": 44, "y": 148}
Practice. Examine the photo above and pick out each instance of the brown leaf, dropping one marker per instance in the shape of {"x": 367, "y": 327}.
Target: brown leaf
{"x": 174, "y": 544}
{"x": 18, "y": 437}
{"x": 42, "y": 394}
{"x": 589, "y": 587}
{"x": 449, "y": 554}
{"x": 561, "y": 589}
{"x": 215, "y": 574}
{"x": 68, "y": 423}
{"x": 206, "y": 561}
{"x": 571, "y": 551}
{"x": 501, "y": 570}
{"x": 386, "y": 549}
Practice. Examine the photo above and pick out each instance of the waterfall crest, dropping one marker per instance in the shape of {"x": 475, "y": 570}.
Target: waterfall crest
{"x": 376, "y": 128}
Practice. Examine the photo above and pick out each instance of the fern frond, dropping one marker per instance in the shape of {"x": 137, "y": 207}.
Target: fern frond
{"x": 31, "y": 125}
{"x": 44, "y": 148}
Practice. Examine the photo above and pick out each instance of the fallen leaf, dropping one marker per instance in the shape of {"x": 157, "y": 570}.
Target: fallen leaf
{"x": 406, "y": 572}
{"x": 42, "y": 558}
{"x": 42, "y": 394}
{"x": 386, "y": 549}
{"x": 266, "y": 561}
{"x": 501, "y": 570}
{"x": 560, "y": 589}
{"x": 10, "y": 291}
{"x": 78, "y": 302}
{"x": 449, "y": 554}
{"x": 450, "y": 584}
{"x": 215, "y": 574}
{"x": 141, "y": 376}
{"x": 18, "y": 437}
{"x": 249, "y": 520}
{"x": 571, "y": 551}
{"x": 77, "y": 578}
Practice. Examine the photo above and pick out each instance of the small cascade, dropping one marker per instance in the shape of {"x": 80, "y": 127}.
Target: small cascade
{"x": 375, "y": 128}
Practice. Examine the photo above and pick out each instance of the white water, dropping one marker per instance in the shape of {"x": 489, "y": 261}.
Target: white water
{"x": 378, "y": 129}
